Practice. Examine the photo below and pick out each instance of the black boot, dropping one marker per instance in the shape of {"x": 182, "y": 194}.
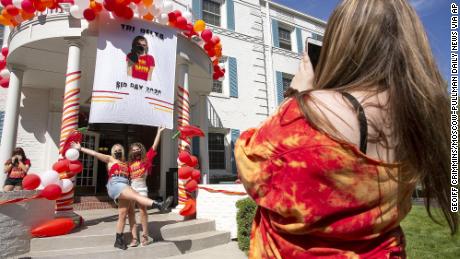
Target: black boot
{"x": 163, "y": 206}
{"x": 120, "y": 242}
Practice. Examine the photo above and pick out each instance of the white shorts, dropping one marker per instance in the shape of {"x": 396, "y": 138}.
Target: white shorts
{"x": 140, "y": 186}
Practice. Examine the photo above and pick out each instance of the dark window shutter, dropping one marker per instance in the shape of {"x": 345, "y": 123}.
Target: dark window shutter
{"x": 233, "y": 76}
{"x": 235, "y": 134}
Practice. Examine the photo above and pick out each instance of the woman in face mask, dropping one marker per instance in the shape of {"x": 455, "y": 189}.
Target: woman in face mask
{"x": 140, "y": 165}
{"x": 118, "y": 187}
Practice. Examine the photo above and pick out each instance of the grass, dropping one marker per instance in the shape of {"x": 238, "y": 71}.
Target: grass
{"x": 426, "y": 239}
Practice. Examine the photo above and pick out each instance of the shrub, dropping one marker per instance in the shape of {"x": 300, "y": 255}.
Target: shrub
{"x": 244, "y": 217}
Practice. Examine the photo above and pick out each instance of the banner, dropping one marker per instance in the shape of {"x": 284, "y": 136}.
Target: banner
{"x": 135, "y": 73}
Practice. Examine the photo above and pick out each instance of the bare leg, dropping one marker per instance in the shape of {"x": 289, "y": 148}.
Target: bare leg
{"x": 129, "y": 194}
{"x": 18, "y": 188}
{"x": 144, "y": 222}
{"x": 123, "y": 206}
{"x": 132, "y": 223}
{"x": 8, "y": 188}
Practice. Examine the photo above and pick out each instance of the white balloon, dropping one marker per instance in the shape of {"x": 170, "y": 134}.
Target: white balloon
{"x": 5, "y": 73}
{"x": 188, "y": 16}
{"x": 67, "y": 185}
{"x": 17, "y": 3}
{"x": 168, "y": 7}
{"x": 221, "y": 79}
{"x": 159, "y": 3}
{"x": 49, "y": 177}
{"x": 142, "y": 10}
{"x": 163, "y": 19}
{"x": 99, "y": 1}
{"x": 156, "y": 12}
{"x": 72, "y": 154}
{"x": 40, "y": 187}
{"x": 83, "y": 4}
{"x": 76, "y": 11}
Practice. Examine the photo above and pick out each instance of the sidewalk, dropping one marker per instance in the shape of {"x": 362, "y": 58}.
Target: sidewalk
{"x": 227, "y": 251}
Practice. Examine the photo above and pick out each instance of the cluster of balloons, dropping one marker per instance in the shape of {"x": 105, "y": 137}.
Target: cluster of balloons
{"x": 192, "y": 176}
{"x": 17, "y": 11}
{"x": 54, "y": 183}
{"x": 4, "y": 72}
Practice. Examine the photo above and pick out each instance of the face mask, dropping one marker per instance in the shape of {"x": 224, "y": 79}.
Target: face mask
{"x": 137, "y": 154}
{"x": 139, "y": 48}
{"x": 117, "y": 155}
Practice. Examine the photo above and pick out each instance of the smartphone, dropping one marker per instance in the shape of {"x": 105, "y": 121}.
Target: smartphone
{"x": 313, "y": 51}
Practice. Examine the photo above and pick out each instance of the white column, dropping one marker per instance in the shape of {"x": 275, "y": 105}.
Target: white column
{"x": 10, "y": 123}
{"x": 204, "y": 152}
{"x": 6, "y": 35}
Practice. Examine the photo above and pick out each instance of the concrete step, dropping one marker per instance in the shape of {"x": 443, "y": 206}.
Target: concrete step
{"x": 104, "y": 234}
{"x": 171, "y": 247}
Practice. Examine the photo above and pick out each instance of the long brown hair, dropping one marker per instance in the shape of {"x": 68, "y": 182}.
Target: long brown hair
{"x": 20, "y": 151}
{"x": 382, "y": 45}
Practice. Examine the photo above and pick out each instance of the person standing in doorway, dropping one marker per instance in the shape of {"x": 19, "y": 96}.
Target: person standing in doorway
{"x": 16, "y": 168}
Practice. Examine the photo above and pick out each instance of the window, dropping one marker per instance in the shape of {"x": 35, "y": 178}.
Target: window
{"x": 285, "y": 38}
{"x": 216, "y": 151}
{"x": 287, "y": 79}
{"x": 317, "y": 37}
{"x": 217, "y": 87}
{"x": 211, "y": 12}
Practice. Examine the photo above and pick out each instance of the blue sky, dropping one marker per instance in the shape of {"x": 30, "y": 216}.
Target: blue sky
{"x": 435, "y": 15}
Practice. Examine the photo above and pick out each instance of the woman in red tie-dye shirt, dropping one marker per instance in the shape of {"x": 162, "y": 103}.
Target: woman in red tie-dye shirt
{"x": 333, "y": 170}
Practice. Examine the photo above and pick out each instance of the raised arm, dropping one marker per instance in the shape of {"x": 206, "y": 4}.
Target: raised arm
{"x": 99, "y": 156}
{"x": 156, "y": 142}
{"x": 8, "y": 166}
{"x": 24, "y": 167}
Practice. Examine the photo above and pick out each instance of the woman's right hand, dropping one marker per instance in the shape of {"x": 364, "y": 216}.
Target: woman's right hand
{"x": 305, "y": 77}
{"x": 75, "y": 145}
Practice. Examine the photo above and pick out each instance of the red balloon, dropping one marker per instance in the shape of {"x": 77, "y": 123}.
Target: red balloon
{"x": 177, "y": 13}
{"x": 54, "y": 227}
{"x": 51, "y": 192}
{"x": 211, "y": 53}
{"x": 6, "y": 2}
{"x": 215, "y": 39}
{"x": 61, "y": 166}
{"x": 193, "y": 161}
{"x": 124, "y": 2}
{"x": 128, "y": 13}
{"x": 119, "y": 10}
{"x": 89, "y": 14}
{"x": 31, "y": 182}
{"x": 28, "y": 6}
{"x": 185, "y": 172}
{"x": 206, "y": 35}
{"x": 13, "y": 11}
{"x": 181, "y": 23}
{"x": 5, "y": 82}
{"x": 172, "y": 17}
{"x": 110, "y": 5}
{"x": 5, "y": 51}
{"x": 208, "y": 46}
{"x": 184, "y": 157}
{"x": 215, "y": 76}
{"x": 191, "y": 186}
{"x": 136, "y": 1}
{"x": 196, "y": 175}
{"x": 75, "y": 136}
{"x": 2, "y": 64}
{"x": 75, "y": 167}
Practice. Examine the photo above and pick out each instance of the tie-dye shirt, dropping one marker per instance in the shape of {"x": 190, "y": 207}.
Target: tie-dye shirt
{"x": 318, "y": 197}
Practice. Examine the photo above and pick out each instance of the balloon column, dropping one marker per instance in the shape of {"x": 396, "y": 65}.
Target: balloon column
{"x": 4, "y": 73}
{"x": 161, "y": 11}
{"x": 188, "y": 174}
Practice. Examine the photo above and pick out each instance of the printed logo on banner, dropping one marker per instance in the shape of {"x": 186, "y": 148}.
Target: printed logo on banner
{"x": 135, "y": 72}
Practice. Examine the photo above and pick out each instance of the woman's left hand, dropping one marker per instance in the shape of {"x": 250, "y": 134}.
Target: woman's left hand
{"x": 305, "y": 77}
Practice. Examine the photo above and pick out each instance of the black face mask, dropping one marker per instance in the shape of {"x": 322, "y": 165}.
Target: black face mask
{"x": 117, "y": 155}
{"x": 139, "y": 48}
{"x": 137, "y": 154}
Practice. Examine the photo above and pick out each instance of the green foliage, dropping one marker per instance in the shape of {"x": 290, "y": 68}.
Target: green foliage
{"x": 245, "y": 215}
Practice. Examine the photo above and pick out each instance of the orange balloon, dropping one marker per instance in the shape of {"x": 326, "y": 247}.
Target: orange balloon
{"x": 97, "y": 7}
{"x": 6, "y": 14}
{"x": 47, "y": 3}
{"x": 147, "y": 3}
{"x": 215, "y": 62}
{"x": 26, "y": 16}
{"x": 148, "y": 17}
{"x": 4, "y": 21}
{"x": 199, "y": 26}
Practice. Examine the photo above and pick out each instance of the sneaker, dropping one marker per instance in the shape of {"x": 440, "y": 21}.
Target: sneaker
{"x": 166, "y": 204}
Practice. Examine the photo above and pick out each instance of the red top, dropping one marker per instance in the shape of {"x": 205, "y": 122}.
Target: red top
{"x": 119, "y": 168}
{"x": 319, "y": 197}
{"x": 139, "y": 169}
{"x": 141, "y": 68}
{"x": 17, "y": 172}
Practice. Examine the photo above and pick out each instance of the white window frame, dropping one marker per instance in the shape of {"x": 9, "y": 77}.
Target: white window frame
{"x": 282, "y": 26}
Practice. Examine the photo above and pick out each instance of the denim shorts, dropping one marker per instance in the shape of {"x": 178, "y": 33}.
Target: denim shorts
{"x": 116, "y": 185}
